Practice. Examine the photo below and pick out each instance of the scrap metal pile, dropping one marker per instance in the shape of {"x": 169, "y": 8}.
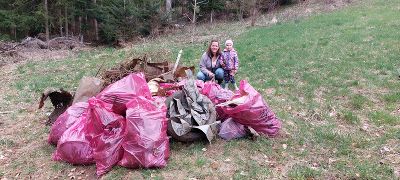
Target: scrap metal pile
{"x": 142, "y": 106}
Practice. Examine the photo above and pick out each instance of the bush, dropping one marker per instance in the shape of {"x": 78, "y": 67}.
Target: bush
{"x": 4, "y": 37}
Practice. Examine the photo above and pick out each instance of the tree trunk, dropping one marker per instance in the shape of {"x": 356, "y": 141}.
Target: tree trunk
{"x": 80, "y": 29}
{"x": 73, "y": 26}
{"x": 125, "y": 19}
{"x": 87, "y": 33}
{"x": 211, "y": 16}
{"x": 184, "y": 7}
{"x": 46, "y": 17}
{"x": 14, "y": 31}
{"x": 96, "y": 28}
{"x": 194, "y": 19}
{"x": 253, "y": 13}
{"x": 168, "y": 7}
{"x": 240, "y": 15}
{"x": 194, "y": 12}
{"x": 66, "y": 21}
{"x": 60, "y": 22}
{"x": 124, "y": 5}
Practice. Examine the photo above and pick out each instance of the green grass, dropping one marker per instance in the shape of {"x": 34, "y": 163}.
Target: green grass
{"x": 358, "y": 101}
{"x": 303, "y": 172}
{"x": 330, "y": 73}
{"x": 392, "y": 97}
{"x": 382, "y": 118}
{"x": 6, "y": 142}
{"x": 117, "y": 173}
{"x": 350, "y": 117}
{"x": 200, "y": 162}
{"x": 368, "y": 170}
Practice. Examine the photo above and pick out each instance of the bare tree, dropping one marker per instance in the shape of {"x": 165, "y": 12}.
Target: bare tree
{"x": 168, "y": 7}
{"x": 60, "y": 21}
{"x": 195, "y": 10}
{"x": 241, "y": 9}
{"x": 46, "y": 17}
{"x": 73, "y": 25}
{"x": 96, "y": 28}
{"x": 66, "y": 20}
{"x": 80, "y": 29}
{"x": 211, "y": 16}
{"x": 14, "y": 31}
{"x": 254, "y": 11}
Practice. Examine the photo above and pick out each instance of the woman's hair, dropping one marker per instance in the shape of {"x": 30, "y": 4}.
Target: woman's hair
{"x": 209, "y": 53}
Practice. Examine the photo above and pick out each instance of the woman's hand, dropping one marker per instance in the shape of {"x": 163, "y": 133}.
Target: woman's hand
{"x": 211, "y": 75}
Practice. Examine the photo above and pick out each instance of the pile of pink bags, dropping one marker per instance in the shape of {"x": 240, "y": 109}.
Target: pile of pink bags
{"x": 121, "y": 125}
{"x": 251, "y": 111}
{"x": 124, "y": 125}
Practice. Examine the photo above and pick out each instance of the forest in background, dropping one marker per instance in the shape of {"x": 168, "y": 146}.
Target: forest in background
{"x": 107, "y": 21}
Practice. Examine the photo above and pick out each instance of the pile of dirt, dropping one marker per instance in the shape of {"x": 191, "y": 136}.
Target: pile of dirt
{"x": 8, "y": 54}
{"x": 35, "y": 48}
{"x": 53, "y": 44}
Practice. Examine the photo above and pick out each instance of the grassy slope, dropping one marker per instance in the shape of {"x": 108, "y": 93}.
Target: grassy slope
{"x": 331, "y": 78}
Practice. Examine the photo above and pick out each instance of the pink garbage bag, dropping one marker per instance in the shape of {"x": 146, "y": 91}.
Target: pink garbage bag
{"x": 66, "y": 120}
{"x": 169, "y": 87}
{"x": 159, "y": 101}
{"x": 76, "y": 144}
{"x": 125, "y": 89}
{"x": 108, "y": 128}
{"x": 216, "y": 93}
{"x": 253, "y": 112}
{"x": 231, "y": 130}
{"x": 146, "y": 143}
{"x": 73, "y": 146}
{"x": 107, "y": 146}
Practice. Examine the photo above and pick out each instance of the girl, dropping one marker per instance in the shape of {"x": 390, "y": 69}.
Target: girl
{"x": 230, "y": 64}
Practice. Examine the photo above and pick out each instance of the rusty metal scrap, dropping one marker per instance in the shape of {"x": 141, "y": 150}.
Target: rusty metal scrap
{"x": 151, "y": 70}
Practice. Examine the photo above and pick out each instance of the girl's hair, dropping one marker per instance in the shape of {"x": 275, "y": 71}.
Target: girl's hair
{"x": 209, "y": 52}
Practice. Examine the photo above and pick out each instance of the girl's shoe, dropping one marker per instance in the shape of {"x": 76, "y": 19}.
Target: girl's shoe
{"x": 226, "y": 85}
{"x": 236, "y": 88}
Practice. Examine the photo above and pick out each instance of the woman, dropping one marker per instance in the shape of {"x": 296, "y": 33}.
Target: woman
{"x": 210, "y": 67}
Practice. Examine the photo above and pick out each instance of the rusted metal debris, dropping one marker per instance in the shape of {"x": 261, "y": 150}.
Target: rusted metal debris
{"x": 151, "y": 70}
{"x": 60, "y": 99}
